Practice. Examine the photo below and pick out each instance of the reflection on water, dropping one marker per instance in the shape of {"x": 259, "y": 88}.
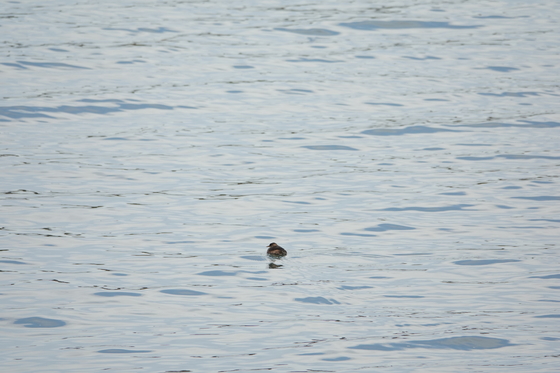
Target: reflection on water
{"x": 406, "y": 155}
{"x": 454, "y": 343}
{"x": 122, "y": 351}
{"x": 404, "y": 131}
{"x": 374, "y": 25}
{"x": 40, "y": 322}
{"x": 117, "y": 294}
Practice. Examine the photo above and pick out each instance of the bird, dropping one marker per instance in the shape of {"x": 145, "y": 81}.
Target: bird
{"x": 276, "y": 251}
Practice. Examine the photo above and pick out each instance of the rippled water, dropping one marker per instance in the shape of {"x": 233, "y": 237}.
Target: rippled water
{"x": 404, "y": 153}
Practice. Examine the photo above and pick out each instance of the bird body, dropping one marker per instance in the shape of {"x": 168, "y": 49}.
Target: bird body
{"x": 275, "y": 250}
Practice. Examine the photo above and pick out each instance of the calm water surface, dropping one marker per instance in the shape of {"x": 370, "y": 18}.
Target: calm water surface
{"x": 405, "y": 154}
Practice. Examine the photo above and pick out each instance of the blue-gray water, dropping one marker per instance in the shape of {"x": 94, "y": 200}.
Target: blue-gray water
{"x": 405, "y": 154}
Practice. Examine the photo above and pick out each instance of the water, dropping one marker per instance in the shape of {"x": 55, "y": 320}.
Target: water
{"x": 404, "y": 153}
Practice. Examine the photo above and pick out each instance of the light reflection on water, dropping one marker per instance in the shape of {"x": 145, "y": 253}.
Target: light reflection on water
{"x": 404, "y": 155}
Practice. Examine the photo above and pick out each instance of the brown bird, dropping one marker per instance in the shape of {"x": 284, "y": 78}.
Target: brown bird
{"x": 275, "y": 250}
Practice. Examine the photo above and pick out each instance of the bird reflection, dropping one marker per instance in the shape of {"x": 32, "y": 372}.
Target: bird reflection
{"x": 274, "y": 253}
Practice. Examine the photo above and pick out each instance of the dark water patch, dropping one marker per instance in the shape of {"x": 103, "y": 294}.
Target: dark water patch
{"x": 46, "y": 65}
{"x": 298, "y": 202}
{"x": 221, "y": 273}
{"x": 460, "y": 207}
{"x": 542, "y": 182}
{"x": 378, "y": 277}
{"x": 547, "y": 277}
{"x": 389, "y": 227}
{"x": 454, "y": 343}
{"x": 57, "y": 50}
{"x": 295, "y": 91}
{"x": 12, "y": 262}
{"x": 257, "y": 278}
{"x": 158, "y": 30}
{"x": 116, "y": 139}
{"x": 539, "y": 198}
{"x": 404, "y": 131}
{"x": 111, "y": 294}
{"x": 312, "y": 353}
{"x": 549, "y": 300}
{"x": 313, "y": 60}
{"x": 234, "y": 91}
{"x": 495, "y": 17}
{"x": 20, "y": 112}
{"x": 454, "y": 194}
{"x": 484, "y": 262}
{"x": 557, "y": 316}
{"x": 549, "y": 220}
{"x": 306, "y": 230}
{"x": 376, "y": 25}
{"x": 311, "y": 31}
{"x": 178, "y": 242}
{"x": 122, "y": 351}
{"x": 511, "y": 94}
{"x": 119, "y": 274}
{"x": 181, "y": 292}
{"x": 40, "y": 322}
{"x": 502, "y": 69}
{"x": 365, "y": 57}
{"x": 11, "y": 64}
{"x": 504, "y": 207}
{"x": 525, "y": 156}
{"x": 550, "y": 339}
{"x": 412, "y": 254}
{"x": 474, "y": 158}
{"x": 342, "y": 358}
{"x": 521, "y": 227}
{"x": 329, "y": 147}
{"x": 347, "y": 287}
{"x": 130, "y": 62}
{"x": 554, "y": 287}
{"x": 265, "y": 237}
{"x": 522, "y": 124}
{"x": 317, "y": 300}
{"x": 512, "y": 187}
{"x": 433, "y": 149}
{"x": 383, "y": 103}
{"x": 357, "y": 234}
{"x": 435, "y": 99}
{"x": 243, "y": 67}
{"x": 218, "y": 273}
{"x": 90, "y": 100}
{"x": 422, "y": 58}
{"x": 254, "y": 257}
{"x": 403, "y": 296}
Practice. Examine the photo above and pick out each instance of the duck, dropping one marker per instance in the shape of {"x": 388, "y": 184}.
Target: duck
{"x": 275, "y": 250}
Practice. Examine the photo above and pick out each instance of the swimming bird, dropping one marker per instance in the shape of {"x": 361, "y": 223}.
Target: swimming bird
{"x": 275, "y": 250}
